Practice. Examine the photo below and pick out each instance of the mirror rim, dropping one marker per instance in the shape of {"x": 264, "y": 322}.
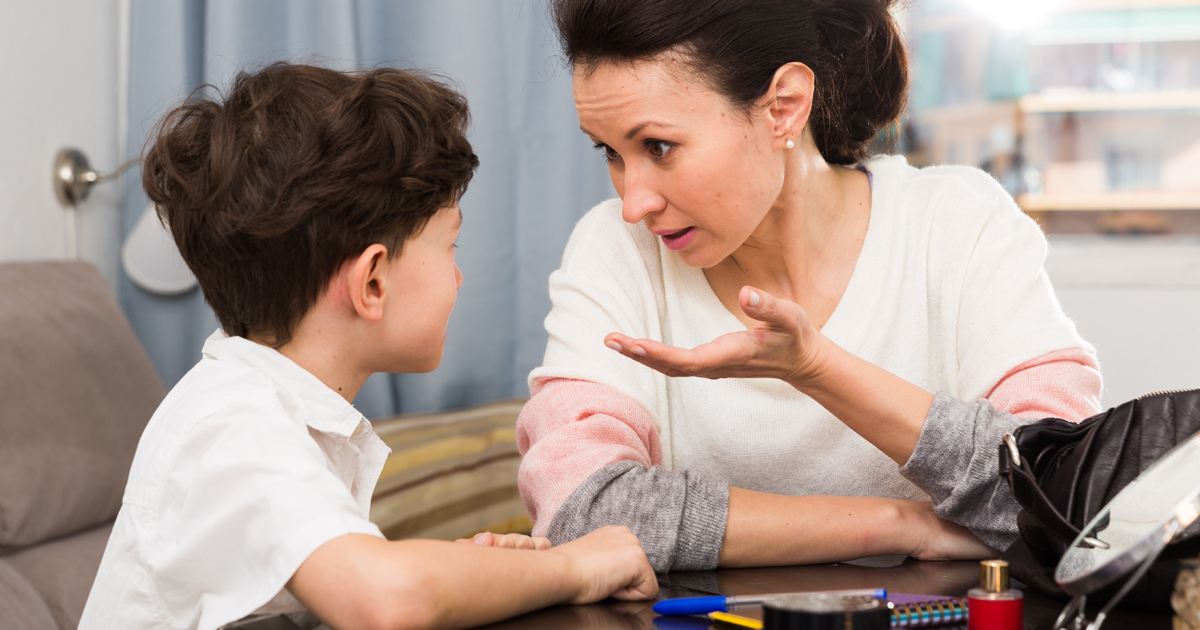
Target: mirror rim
{"x": 1135, "y": 554}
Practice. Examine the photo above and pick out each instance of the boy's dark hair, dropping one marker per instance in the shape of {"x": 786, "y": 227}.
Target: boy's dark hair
{"x": 298, "y": 169}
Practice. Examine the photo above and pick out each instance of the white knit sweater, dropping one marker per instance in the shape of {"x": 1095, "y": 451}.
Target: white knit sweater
{"x": 948, "y": 292}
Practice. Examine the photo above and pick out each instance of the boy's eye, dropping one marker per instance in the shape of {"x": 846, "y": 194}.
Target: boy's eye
{"x": 658, "y": 149}
{"x": 609, "y": 154}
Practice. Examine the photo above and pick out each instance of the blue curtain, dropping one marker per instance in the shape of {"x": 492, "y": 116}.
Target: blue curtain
{"x": 538, "y": 173}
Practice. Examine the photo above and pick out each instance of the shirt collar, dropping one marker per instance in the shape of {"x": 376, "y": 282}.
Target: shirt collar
{"x": 311, "y": 400}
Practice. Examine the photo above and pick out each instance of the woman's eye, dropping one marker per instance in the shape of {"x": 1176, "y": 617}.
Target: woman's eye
{"x": 658, "y": 149}
{"x": 609, "y": 154}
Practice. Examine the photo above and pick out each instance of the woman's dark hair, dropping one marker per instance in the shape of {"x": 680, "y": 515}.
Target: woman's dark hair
{"x": 297, "y": 169}
{"x": 852, "y": 46}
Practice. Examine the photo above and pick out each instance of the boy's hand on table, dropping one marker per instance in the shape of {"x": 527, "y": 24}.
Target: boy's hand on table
{"x": 609, "y": 562}
{"x": 508, "y": 541}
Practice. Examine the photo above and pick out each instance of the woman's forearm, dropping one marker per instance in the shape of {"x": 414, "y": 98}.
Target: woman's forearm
{"x": 883, "y": 408}
{"x": 765, "y": 529}
{"x": 880, "y": 406}
{"x": 771, "y": 530}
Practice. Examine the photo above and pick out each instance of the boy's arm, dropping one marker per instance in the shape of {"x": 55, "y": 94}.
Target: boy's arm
{"x": 363, "y": 582}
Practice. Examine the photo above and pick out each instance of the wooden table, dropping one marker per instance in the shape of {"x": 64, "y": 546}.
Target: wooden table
{"x": 910, "y": 576}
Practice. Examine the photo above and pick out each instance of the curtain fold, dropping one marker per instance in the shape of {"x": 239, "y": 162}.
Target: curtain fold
{"x": 538, "y": 173}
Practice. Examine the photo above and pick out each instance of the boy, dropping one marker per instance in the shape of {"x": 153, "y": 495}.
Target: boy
{"x": 318, "y": 210}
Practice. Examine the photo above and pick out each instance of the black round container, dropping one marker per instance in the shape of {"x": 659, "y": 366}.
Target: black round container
{"x": 824, "y": 611}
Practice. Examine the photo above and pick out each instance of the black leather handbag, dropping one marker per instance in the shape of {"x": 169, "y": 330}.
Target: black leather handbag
{"x": 1068, "y": 472}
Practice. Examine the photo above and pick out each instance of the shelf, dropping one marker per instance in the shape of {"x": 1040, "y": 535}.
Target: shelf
{"x": 1064, "y": 102}
{"x": 1110, "y": 201}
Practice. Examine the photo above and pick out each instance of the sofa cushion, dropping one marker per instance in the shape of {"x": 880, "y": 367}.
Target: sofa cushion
{"x": 62, "y": 571}
{"x": 451, "y": 474}
{"x": 20, "y": 606}
{"x": 77, "y": 390}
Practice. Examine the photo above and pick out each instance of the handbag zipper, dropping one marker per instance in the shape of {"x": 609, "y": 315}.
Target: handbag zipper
{"x": 1165, "y": 391}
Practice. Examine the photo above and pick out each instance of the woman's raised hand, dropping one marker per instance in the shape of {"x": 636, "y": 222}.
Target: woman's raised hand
{"x": 782, "y": 344}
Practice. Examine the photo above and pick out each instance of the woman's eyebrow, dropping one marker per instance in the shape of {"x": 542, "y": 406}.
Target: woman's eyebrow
{"x": 635, "y": 131}
{"x": 650, "y": 123}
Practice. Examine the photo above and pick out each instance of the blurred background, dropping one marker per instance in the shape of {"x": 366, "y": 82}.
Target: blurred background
{"x": 1087, "y": 111}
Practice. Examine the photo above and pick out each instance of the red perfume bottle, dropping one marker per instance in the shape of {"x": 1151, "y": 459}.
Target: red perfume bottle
{"x": 994, "y": 606}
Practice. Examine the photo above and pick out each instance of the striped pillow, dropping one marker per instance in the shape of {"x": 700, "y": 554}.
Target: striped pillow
{"x": 451, "y": 475}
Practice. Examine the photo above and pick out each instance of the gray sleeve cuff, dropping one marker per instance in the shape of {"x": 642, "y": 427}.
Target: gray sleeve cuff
{"x": 679, "y": 516}
{"x": 956, "y": 462}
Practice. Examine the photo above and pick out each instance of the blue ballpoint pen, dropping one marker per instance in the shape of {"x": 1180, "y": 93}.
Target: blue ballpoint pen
{"x": 721, "y": 603}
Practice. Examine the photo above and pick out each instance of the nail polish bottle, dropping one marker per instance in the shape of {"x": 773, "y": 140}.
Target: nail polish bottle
{"x": 994, "y": 606}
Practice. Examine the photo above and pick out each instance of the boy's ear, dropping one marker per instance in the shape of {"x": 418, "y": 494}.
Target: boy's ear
{"x": 366, "y": 277}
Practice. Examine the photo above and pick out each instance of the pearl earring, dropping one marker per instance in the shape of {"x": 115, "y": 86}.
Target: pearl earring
{"x": 790, "y": 144}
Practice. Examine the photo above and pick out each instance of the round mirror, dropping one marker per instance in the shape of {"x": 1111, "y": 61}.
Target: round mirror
{"x": 1161, "y": 503}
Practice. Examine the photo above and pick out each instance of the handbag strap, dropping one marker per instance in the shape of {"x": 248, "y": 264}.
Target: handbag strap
{"x": 1025, "y": 488}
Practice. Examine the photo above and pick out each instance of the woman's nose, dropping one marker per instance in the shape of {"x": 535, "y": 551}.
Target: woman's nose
{"x": 640, "y": 199}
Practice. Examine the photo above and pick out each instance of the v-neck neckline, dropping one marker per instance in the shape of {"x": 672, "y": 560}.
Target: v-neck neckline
{"x": 860, "y": 293}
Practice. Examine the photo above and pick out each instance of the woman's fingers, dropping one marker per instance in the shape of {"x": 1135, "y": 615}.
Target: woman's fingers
{"x": 766, "y": 308}
{"x": 779, "y": 345}
{"x": 708, "y": 359}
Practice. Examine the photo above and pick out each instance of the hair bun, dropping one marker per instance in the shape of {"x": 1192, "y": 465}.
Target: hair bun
{"x": 866, "y": 82}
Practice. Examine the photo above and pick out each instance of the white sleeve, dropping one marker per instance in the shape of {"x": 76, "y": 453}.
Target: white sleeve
{"x": 253, "y": 498}
{"x": 609, "y": 282}
{"x": 1008, "y": 312}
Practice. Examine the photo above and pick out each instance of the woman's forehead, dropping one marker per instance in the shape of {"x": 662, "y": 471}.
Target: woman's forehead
{"x": 621, "y": 97}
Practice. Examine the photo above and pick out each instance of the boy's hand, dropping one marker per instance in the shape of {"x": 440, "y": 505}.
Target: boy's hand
{"x": 508, "y": 541}
{"x": 609, "y": 562}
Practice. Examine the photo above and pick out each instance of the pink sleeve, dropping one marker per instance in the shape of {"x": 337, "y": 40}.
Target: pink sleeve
{"x": 1062, "y": 384}
{"x": 570, "y": 429}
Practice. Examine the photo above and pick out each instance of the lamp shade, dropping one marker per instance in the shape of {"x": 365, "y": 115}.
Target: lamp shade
{"x": 152, "y": 260}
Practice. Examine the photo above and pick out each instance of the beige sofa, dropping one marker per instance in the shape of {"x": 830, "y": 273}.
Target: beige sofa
{"x": 76, "y": 390}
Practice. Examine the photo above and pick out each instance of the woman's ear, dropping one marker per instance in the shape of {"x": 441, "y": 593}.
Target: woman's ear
{"x": 365, "y": 277}
{"x": 788, "y": 101}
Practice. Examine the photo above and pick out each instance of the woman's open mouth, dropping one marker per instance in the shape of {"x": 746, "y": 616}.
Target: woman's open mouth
{"x": 679, "y": 240}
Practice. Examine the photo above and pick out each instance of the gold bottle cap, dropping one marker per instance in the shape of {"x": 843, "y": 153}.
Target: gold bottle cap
{"x": 993, "y": 575}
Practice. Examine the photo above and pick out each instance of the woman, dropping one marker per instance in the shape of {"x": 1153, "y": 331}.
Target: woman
{"x": 830, "y": 292}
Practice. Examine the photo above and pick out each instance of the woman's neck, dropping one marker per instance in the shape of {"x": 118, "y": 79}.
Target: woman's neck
{"x": 806, "y": 247}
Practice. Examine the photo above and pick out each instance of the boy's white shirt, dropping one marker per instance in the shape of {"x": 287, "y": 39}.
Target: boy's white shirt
{"x": 248, "y": 466}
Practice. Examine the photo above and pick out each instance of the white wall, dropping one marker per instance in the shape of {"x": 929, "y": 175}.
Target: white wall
{"x": 1138, "y": 301}
{"x": 58, "y": 88}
